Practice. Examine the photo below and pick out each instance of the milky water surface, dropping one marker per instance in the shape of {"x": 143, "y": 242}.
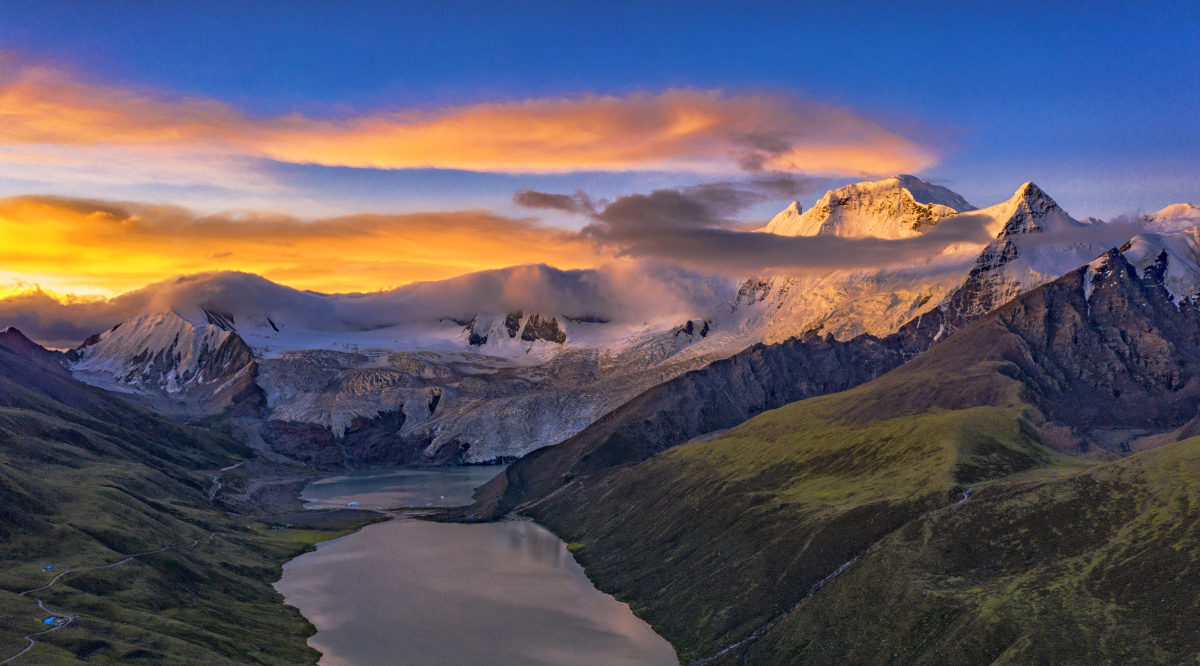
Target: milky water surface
{"x": 414, "y": 592}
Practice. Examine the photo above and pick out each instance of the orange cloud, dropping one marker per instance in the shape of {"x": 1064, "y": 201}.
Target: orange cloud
{"x": 675, "y": 130}
{"x": 98, "y": 247}
{"x": 698, "y": 130}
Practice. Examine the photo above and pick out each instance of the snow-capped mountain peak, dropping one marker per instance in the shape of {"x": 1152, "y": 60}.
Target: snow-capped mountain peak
{"x": 1028, "y": 210}
{"x": 164, "y": 351}
{"x": 897, "y": 207}
{"x": 1176, "y": 255}
{"x": 1175, "y": 217}
{"x": 785, "y": 220}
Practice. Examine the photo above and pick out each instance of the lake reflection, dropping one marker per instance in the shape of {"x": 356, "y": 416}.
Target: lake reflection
{"x": 450, "y": 486}
{"x": 414, "y": 592}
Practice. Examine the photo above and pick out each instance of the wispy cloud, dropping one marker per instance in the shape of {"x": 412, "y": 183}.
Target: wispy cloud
{"x": 50, "y": 117}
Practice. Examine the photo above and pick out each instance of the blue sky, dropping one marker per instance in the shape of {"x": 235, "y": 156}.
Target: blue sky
{"x": 1097, "y": 102}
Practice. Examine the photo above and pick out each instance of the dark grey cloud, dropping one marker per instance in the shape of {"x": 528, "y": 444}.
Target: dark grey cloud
{"x": 568, "y": 203}
{"x": 784, "y": 185}
{"x": 735, "y": 252}
{"x": 699, "y": 227}
{"x": 724, "y": 199}
{"x": 665, "y": 210}
{"x": 58, "y": 324}
{"x": 696, "y": 227}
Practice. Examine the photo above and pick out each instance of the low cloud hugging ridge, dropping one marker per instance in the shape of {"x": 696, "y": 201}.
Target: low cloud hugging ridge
{"x": 697, "y": 227}
{"x": 621, "y": 291}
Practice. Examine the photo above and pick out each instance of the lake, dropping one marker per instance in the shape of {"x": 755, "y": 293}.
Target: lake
{"x": 414, "y": 592}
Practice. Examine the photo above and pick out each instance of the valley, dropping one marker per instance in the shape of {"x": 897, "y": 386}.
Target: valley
{"x": 114, "y": 499}
{"x": 721, "y": 542}
{"x": 909, "y": 453}
{"x": 562, "y": 333}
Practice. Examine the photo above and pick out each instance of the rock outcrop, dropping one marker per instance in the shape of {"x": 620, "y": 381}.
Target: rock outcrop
{"x": 178, "y": 366}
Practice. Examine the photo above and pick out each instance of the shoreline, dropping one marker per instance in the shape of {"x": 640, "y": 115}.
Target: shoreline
{"x": 439, "y": 515}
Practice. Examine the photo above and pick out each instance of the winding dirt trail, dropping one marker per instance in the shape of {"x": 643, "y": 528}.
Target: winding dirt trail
{"x": 71, "y": 618}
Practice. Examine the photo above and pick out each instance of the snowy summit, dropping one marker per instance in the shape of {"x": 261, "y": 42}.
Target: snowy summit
{"x": 897, "y": 207}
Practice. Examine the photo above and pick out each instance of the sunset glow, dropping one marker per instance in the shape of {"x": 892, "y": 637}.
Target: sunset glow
{"x": 690, "y": 130}
{"x": 370, "y": 154}
{"x": 623, "y": 333}
{"x": 98, "y": 248}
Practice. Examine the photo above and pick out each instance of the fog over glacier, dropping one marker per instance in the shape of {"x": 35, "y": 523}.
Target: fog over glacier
{"x": 622, "y": 291}
{"x": 674, "y": 253}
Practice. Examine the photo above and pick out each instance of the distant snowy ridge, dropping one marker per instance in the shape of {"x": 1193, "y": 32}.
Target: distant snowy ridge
{"x": 1175, "y": 217}
{"x": 1034, "y": 241}
{"x": 495, "y": 364}
{"x": 1175, "y": 254}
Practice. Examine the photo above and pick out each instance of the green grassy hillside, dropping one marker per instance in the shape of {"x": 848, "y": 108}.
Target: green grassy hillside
{"x": 712, "y": 540}
{"x": 85, "y": 480}
{"x": 1087, "y": 568}
{"x": 831, "y": 530}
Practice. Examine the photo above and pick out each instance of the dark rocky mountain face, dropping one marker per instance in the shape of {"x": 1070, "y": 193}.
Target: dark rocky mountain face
{"x": 16, "y": 342}
{"x": 1119, "y": 358}
{"x": 233, "y": 369}
{"x": 474, "y": 337}
{"x": 728, "y": 392}
{"x": 765, "y": 377}
{"x": 984, "y": 289}
{"x": 690, "y": 329}
{"x": 307, "y": 443}
{"x": 536, "y": 327}
{"x": 543, "y": 328}
{"x": 924, "y": 516}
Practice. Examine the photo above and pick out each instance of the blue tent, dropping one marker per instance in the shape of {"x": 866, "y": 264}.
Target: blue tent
{"x": 48, "y": 567}
{"x": 49, "y": 620}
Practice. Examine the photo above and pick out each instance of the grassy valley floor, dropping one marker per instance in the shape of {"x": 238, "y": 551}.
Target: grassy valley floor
{"x": 86, "y": 480}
